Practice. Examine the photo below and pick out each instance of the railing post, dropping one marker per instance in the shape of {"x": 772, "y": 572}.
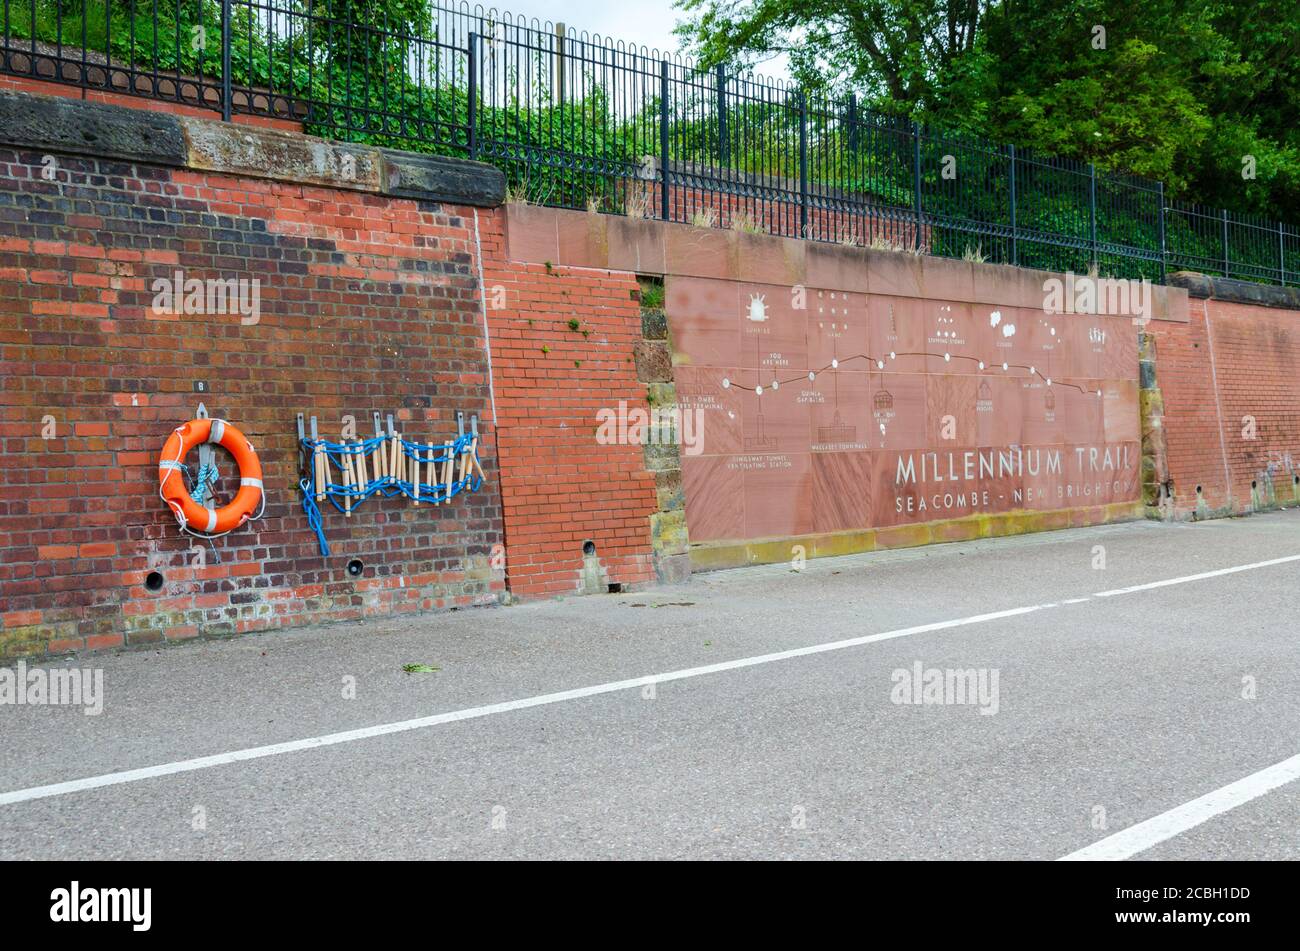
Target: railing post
{"x": 852, "y": 122}
{"x": 1281, "y": 253}
{"x": 1015, "y": 250}
{"x": 1164, "y": 251}
{"x": 471, "y": 86}
{"x": 297, "y": 103}
{"x": 724, "y": 146}
{"x": 916, "y": 182}
{"x": 1092, "y": 210}
{"x": 1227, "y": 270}
{"x": 225, "y": 60}
{"x": 663, "y": 139}
{"x": 559, "y": 61}
{"x": 803, "y": 164}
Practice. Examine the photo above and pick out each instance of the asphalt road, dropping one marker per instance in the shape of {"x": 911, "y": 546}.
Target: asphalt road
{"x": 547, "y": 731}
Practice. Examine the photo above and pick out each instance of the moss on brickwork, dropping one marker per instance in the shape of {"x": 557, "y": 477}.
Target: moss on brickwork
{"x": 662, "y": 396}
{"x": 668, "y": 532}
{"x": 1156, "y": 486}
{"x": 654, "y": 324}
{"x": 661, "y": 457}
{"x": 668, "y": 490}
{"x": 710, "y": 556}
{"x": 33, "y": 640}
{"x": 840, "y": 543}
{"x": 669, "y": 538}
{"x": 1152, "y": 404}
{"x": 1151, "y": 490}
{"x": 24, "y": 641}
{"x": 654, "y": 362}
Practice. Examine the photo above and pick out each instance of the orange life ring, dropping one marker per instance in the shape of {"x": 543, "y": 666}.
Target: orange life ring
{"x": 171, "y": 476}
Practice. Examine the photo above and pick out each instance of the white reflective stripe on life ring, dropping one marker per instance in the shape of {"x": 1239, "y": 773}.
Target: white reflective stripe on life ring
{"x": 212, "y": 520}
{"x": 256, "y": 482}
{"x": 217, "y": 431}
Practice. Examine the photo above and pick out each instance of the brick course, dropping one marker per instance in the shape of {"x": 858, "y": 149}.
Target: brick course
{"x": 562, "y": 488}
{"x": 1231, "y": 361}
{"x": 371, "y": 300}
{"x": 367, "y": 302}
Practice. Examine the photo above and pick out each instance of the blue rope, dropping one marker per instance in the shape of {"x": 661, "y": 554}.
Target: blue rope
{"x": 204, "y": 481}
{"x": 313, "y": 514}
{"x": 420, "y": 453}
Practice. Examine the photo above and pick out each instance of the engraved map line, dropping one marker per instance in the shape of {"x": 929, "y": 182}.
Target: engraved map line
{"x": 880, "y": 366}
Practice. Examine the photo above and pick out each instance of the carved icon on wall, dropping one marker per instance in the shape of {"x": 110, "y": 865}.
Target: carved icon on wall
{"x": 759, "y": 440}
{"x": 837, "y": 431}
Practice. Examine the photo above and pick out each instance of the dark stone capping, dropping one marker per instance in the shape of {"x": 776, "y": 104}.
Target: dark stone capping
{"x": 54, "y": 124}
{"x": 278, "y": 155}
{"x": 76, "y": 127}
{"x": 1234, "y": 291}
{"x": 438, "y": 178}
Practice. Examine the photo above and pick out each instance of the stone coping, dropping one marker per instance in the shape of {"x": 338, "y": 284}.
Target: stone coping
{"x": 30, "y": 122}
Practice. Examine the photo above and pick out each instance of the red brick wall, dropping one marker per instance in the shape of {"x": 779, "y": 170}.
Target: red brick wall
{"x": 561, "y": 488}
{"x": 367, "y": 303}
{"x": 1229, "y": 362}
{"x": 370, "y": 302}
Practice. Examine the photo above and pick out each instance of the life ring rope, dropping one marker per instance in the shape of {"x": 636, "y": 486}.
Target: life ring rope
{"x": 191, "y": 515}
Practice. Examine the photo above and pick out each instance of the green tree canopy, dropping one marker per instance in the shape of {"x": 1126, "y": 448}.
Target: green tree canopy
{"x": 1190, "y": 92}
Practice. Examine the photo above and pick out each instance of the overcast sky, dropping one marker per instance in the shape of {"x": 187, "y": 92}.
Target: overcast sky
{"x": 647, "y": 22}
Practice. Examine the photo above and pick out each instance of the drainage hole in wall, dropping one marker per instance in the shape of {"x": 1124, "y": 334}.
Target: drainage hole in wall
{"x": 615, "y": 588}
{"x": 355, "y": 567}
{"x": 589, "y": 548}
{"x": 153, "y": 581}
{"x": 1198, "y": 490}
{"x": 1254, "y": 484}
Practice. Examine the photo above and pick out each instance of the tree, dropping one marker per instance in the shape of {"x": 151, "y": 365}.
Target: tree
{"x": 893, "y": 51}
{"x": 1106, "y": 82}
{"x": 1184, "y": 91}
{"x": 1190, "y": 92}
{"x": 1253, "y": 100}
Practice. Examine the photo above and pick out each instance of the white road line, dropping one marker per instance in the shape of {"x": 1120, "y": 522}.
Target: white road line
{"x": 1198, "y": 577}
{"x": 472, "y": 713}
{"x": 1138, "y": 838}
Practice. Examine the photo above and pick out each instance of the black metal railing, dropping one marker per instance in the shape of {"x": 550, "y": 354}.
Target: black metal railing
{"x": 576, "y": 120}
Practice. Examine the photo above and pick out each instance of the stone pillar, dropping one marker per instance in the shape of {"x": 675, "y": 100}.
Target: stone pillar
{"x": 1157, "y": 487}
{"x": 654, "y": 368}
